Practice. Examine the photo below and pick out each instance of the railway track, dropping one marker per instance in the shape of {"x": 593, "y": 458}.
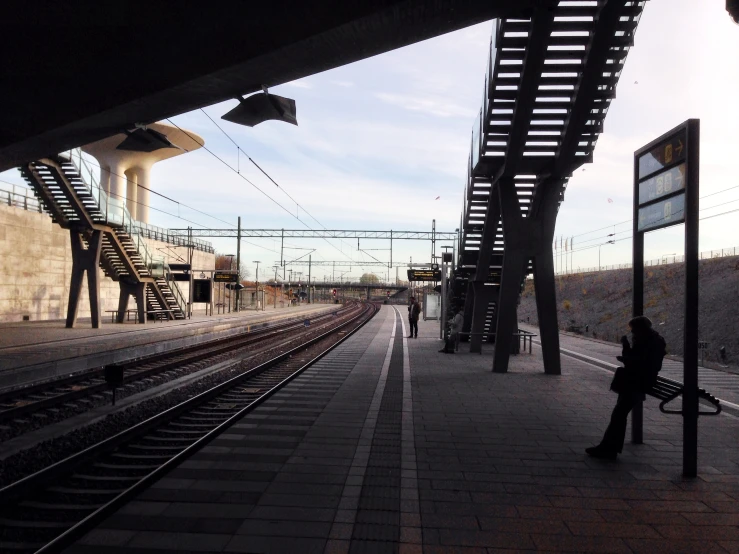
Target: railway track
{"x": 32, "y": 407}
{"x": 48, "y": 510}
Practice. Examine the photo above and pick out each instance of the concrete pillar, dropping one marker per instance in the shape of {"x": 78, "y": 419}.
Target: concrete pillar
{"x": 143, "y": 175}
{"x": 131, "y": 192}
{"x": 118, "y": 183}
{"x": 105, "y": 178}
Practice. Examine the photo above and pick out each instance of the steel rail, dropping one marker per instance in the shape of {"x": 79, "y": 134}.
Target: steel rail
{"x": 201, "y": 351}
{"x": 46, "y": 476}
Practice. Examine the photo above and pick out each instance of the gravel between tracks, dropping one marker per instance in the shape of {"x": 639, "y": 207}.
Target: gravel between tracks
{"x": 48, "y": 452}
{"x": 31, "y": 422}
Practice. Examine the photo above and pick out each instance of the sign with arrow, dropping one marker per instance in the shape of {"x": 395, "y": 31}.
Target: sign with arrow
{"x": 666, "y": 185}
{"x": 663, "y": 184}
{"x": 666, "y": 153}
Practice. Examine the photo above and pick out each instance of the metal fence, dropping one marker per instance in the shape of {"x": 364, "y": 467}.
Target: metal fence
{"x": 19, "y": 196}
{"x": 664, "y": 260}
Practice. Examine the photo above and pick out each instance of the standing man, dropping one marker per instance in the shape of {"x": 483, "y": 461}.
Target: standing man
{"x": 414, "y": 310}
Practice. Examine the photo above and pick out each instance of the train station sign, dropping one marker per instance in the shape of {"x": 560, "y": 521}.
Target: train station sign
{"x": 662, "y": 213}
{"x": 225, "y": 277}
{"x": 666, "y": 174}
{"x": 424, "y": 275}
{"x": 660, "y": 182}
{"x": 667, "y": 152}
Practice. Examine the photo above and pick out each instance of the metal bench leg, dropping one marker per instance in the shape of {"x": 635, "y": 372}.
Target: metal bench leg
{"x": 637, "y": 423}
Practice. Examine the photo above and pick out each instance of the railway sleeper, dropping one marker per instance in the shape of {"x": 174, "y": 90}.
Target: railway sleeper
{"x": 57, "y": 509}
{"x": 127, "y": 456}
{"x": 85, "y": 491}
{"x": 25, "y": 524}
{"x": 143, "y": 468}
{"x": 86, "y": 477}
{"x": 160, "y": 447}
{"x": 171, "y": 440}
{"x": 180, "y": 432}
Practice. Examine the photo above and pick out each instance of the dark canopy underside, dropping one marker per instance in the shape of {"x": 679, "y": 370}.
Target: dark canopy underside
{"x": 73, "y": 73}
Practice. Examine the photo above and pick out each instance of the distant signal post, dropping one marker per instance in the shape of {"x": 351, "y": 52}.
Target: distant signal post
{"x": 666, "y": 174}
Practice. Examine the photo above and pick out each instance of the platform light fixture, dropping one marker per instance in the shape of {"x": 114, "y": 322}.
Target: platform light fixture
{"x": 732, "y": 6}
{"x": 145, "y": 140}
{"x": 261, "y": 107}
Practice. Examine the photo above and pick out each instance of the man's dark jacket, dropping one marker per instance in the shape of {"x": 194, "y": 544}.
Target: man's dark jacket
{"x": 414, "y": 311}
{"x": 643, "y": 360}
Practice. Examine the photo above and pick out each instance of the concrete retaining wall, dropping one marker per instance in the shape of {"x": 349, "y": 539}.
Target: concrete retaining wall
{"x": 36, "y": 265}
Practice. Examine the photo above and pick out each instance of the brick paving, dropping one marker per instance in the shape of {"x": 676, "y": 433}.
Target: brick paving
{"x": 349, "y": 458}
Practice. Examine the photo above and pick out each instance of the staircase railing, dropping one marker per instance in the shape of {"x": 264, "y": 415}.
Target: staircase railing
{"x": 114, "y": 212}
{"x": 176, "y": 292}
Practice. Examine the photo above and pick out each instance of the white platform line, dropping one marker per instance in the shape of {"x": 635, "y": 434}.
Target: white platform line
{"x": 346, "y": 514}
{"x": 410, "y": 506}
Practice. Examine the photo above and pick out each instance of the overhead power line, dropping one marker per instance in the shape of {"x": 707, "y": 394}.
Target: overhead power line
{"x": 237, "y": 171}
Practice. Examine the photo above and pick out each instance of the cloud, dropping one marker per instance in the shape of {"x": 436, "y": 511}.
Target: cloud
{"x": 435, "y": 106}
{"x": 345, "y": 84}
{"x": 300, "y": 83}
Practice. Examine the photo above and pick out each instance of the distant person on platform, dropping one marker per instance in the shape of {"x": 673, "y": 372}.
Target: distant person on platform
{"x": 414, "y": 310}
{"x": 452, "y": 345}
{"x": 642, "y": 362}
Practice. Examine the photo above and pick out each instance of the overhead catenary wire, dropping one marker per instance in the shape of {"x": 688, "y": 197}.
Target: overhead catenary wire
{"x": 224, "y": 162}
{"x": 239, "y": 150}
{"x": 612, "y": 225}
{"x": 590, "y": 247}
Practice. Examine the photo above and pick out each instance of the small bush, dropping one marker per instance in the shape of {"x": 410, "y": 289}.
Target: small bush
{"x": 567, "y": 305}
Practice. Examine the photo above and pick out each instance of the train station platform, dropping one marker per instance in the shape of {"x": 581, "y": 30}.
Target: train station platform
{"x": 40, "y": 350}
{"x": 387, "y": 445}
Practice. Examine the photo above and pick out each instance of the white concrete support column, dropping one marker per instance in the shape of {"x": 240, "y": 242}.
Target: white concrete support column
{"x": 143, "y": 175}
{"x": 131, "y": 192}
{"x": 127, "y": 173}
{"x": 105, "y": 178}
{"x": 118, "y": 183}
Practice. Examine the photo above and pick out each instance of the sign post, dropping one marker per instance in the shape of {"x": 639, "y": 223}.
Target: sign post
{"x": 666, "y": 174}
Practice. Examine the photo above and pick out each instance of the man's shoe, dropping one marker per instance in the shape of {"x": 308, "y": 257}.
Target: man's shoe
{"x": 600, "y": 452}
{"x": 409, "y": 337}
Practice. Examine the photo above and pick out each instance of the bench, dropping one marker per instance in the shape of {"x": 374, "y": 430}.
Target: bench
{"x": 114, "y": 314}
{"x": 667, "y": 390}
{"x": 521, "y": 334}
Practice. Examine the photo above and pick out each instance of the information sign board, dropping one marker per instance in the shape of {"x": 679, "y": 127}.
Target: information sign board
{"x": 424, "y": 275}
{"x": 667, "y": 152}
{"x": 662, "y": 213}
{"x": 223, "y": 277}
{"x": 663, "y": 184}
{"x": 666, "y": 180}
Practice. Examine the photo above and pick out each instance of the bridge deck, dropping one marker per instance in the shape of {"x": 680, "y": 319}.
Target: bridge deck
{"x": 389, "y": 446}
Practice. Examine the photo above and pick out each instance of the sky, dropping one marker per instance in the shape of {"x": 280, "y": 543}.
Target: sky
{"x": 379, "y": 140}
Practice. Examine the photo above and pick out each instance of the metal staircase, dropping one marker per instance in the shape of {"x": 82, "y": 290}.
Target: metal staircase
{"x": 549, "y": 83}
{"x": 66, "y": 185}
